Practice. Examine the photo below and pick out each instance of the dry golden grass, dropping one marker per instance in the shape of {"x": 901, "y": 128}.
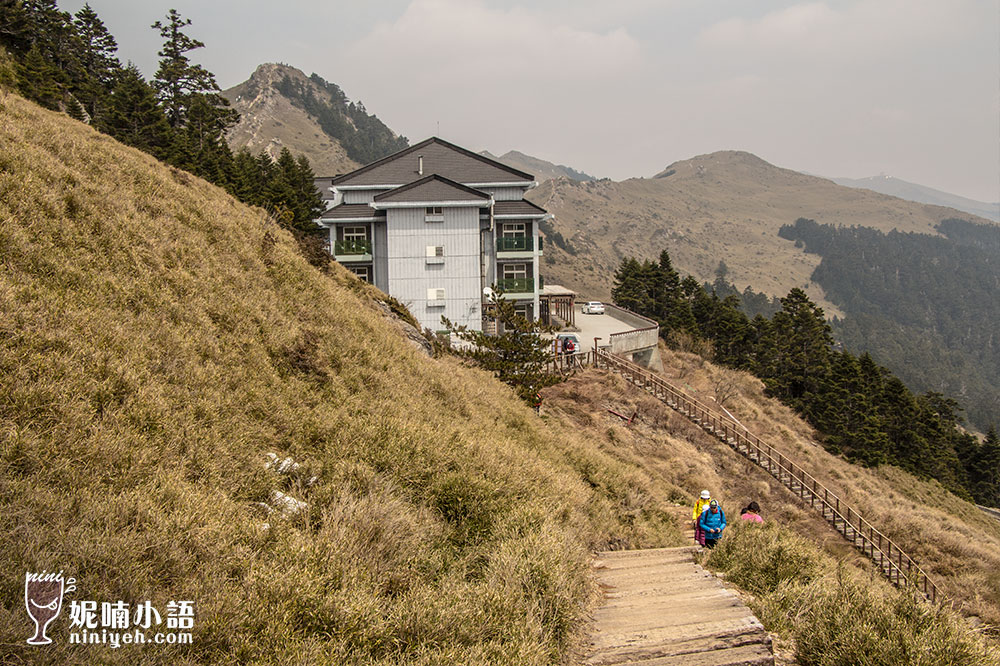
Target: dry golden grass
{"x": 157, "y": 339}
{"x": 830, "y": 614}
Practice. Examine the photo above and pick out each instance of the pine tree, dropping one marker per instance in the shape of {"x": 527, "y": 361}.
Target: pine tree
{"x": 628, "y": 291}
{"x": 52, "y": 32}
{"x": 986, "y": 483}
{"x": 14, "y": 29}
{"x": 39, "y": 81}
{"x": 97, "y": 58}
{"x": 178, "y": 82}
{"x": 796, "y": 356}
{"x": 247, "y": 177}
{"x": 75, "y": 110}
{"x": 309, "y": 202}
{"x": 517, "y": 355}
{"x": 133, "y": 115}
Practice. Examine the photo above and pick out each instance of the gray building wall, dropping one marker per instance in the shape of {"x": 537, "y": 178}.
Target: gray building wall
{"x": 490, "y": 256}
{"x": 410, "y": 275}
{"x": 360, "y": 196}
{"x": 504, "y": 193}
{"x": 380, "y": 256}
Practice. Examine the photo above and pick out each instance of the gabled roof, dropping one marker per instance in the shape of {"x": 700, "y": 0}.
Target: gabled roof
{"x": 523, "y": 208}
{"x": 440, "y": 157}
{"x": 352, "y": 212}
{"x": 433, "y": 188}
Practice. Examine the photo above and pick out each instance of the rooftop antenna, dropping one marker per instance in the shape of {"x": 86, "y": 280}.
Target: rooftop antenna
{"x": 438, "y": 128}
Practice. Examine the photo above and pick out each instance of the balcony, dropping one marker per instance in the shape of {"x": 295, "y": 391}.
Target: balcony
{"x": 514, "y": 244}
{"x": 352, "y": 250}
{"x": 516, "y": 247}
{"x": 517, "y": 287}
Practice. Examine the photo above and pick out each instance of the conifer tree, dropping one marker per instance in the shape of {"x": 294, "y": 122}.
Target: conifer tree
{"x": 97, "y": 58}
{"x": 51, "y": 31}
{"x": 14, "y": 30}
{"x": 517, "y": 355}
{"x": 627, "y": 291}
{"x": 178, "y": 82}
{"x": 133, "y": 115}
{"x": 796, "y": 357}
{"x": 986, "y": 479}
{"x": 39, "y": 80}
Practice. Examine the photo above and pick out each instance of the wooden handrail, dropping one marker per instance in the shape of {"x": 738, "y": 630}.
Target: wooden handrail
{"x": 898, "y": 567}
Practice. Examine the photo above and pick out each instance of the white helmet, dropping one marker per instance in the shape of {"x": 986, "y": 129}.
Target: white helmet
{"x": 705, "y": 494}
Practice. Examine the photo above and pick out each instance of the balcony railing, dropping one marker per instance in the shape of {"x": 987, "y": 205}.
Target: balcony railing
{"x": 514, "y": 244}
{"x": 353, "y": 246}
{"x": 516, "y": 285}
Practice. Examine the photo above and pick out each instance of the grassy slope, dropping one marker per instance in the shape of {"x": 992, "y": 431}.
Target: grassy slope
{"x": 954, "y": 541}
{"x": 157, "y": 339}
{"x": 726, "y": 205}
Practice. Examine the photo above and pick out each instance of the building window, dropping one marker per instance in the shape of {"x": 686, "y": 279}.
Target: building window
{"x": 355, "y": 233}
{"x": 515, "y": 271}
{"x": 364, "y": 273}
{"x": 514, "y": 230}
{"x": 435, "y": 296}
{"x": 522, "y": 311}
{"x": 433, "y": 214}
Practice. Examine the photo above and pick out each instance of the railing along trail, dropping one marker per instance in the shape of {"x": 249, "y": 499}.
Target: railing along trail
{"x": 894, "y": 564}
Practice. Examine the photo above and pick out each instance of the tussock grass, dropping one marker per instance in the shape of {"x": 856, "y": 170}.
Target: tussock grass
{"x": 836, "y": 614}
{"x": 157, "y": 339}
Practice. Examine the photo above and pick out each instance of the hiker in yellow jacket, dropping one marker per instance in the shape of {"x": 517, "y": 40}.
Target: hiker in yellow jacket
{"x": 700, "y": 505}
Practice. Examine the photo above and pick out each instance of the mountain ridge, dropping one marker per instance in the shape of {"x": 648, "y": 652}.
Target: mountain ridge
{"x": 722, "y": 206}
{"x": 897, "y": 187}
{"x": 542, "y": 169}
{"x": 281, "y": 107}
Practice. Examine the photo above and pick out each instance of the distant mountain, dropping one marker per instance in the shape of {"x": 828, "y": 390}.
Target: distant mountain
{"x": 541, "y": 169}
{"x": 725, "y": 206}
{"x": 280, "y": 107}
{"x": 913, "y": 192}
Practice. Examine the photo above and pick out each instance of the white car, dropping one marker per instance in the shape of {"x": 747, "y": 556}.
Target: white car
{"x": 593, "y": 307}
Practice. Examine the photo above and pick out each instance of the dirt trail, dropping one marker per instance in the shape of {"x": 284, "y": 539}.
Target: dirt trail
{"x": 662, "y": 609}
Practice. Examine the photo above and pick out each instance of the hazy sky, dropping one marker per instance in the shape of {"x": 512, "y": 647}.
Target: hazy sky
{"x": 622, "y": 88}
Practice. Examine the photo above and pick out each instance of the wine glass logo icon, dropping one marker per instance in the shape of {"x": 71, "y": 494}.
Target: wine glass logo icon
{"x": 43, "y": 595}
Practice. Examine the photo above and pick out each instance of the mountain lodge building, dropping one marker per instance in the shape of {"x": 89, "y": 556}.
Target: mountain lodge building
{"x": 435, "y": 225}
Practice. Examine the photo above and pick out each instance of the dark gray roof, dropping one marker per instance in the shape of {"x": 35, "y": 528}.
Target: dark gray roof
{"x": 517, "y": 208}
{"x": 432, "y": 188}
{"x": 440, "y": 157}
{"x": 323, "y": 186}
{"x": 350, "y": 211}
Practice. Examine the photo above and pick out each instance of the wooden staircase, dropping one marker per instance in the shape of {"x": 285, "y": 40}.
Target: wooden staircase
{"x": 662, "y": 609}
{"x": 898, "y": 567}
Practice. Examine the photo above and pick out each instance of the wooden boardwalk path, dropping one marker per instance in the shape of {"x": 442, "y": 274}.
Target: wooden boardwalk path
{"x": 662, "y": 609}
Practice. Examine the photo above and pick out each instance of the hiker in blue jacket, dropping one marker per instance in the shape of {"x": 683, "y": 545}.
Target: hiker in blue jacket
{"x": 712, "y": 522}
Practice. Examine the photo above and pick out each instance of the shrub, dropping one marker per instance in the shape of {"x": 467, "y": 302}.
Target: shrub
{"x": 837, "y": 614}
